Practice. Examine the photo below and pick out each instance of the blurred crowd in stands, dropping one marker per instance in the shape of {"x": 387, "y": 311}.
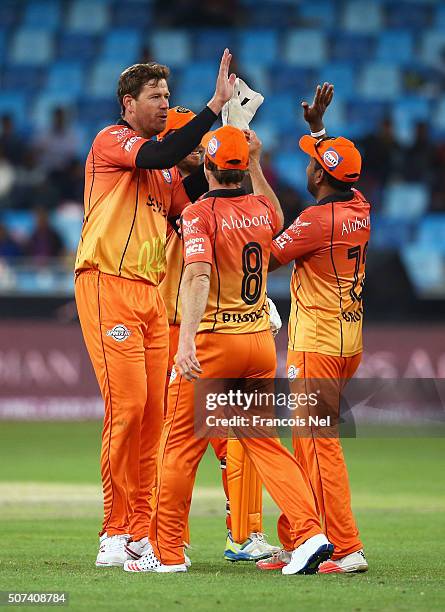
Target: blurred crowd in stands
{"x": 45, "y": 172}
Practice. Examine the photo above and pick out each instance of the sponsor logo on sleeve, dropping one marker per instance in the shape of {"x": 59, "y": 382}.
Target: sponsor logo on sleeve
{"x": 194, "y": 246}
{"x": 189, "y": 227}
{"x": 130, "y": 143}
{"x": 167, "y": 176}
{"x": 331, "y": 158}
{"x": 119, "y": 332}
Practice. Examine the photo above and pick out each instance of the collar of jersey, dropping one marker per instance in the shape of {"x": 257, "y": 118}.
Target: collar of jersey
{"x": 337, "y": 197}
{"x": 225, "y": 193}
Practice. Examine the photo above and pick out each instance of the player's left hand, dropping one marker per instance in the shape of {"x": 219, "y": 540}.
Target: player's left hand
{"x": 186, "y": 361}
{"x": 225, "y": 84}
{"x": 313, "y": 113}
{"x": 241, "y": 108}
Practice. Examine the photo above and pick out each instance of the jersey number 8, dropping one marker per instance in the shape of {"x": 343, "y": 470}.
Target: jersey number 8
{"x": 252, "y": 261}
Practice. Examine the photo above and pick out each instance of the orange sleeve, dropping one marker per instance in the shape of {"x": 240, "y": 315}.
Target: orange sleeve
{"x": 118, "y": 146}
{"x": 301, "y": 238}
{"x": 197, "y": 235}
{"x": 272, "y": 213}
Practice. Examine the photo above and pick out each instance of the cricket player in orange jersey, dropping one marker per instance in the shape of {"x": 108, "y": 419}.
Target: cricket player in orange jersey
{"x": 129, "y": 194}
{"x": 328, "y": 243}
{"x": 242, "y": 487}
{"x": 227, "y": 239}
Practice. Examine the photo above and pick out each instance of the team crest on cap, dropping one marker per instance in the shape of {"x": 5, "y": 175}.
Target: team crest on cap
{"x": 331, "y": 158}
{"x": 213, "y": 146}
{"x": 167, "y": 176}
{"x": 182, "y": 109}
{"x": 119, "y": 332}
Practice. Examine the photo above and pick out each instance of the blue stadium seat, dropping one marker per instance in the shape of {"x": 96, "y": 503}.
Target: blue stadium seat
{"x": 343, "y": 77}
{"x": 104, "y": 77}
{"x": 405, "y": 200}
{"x": 413, "y": 15}
{"x": 171, "y": 47}
{"x": 280, "y": 14}
{"x": 78, "y": 46}
{"x": 98, "y": 112}
{"x": 130, "y": 14}
{"x": 407, "y": 112}
{"x": 43, "y": 13}
{"x": 305, "y": 48}
{"x": 23, "y": 78}
{"x": 362, "y": 16}
{"x": 66, "y": 76}
{"x": 364, "y": 116}
{"x": 281, "y": 109}
{"x": 395, "y": 46}
{"x": 14, "y": 103}
{"x": 210, "y": 43}
{"x": 257, "y": 77}
{"x": 291, "y": 168}
{"x": 351, "y": 48}
{"x": 258, "y": 47}
{"x": 432, "y": 232}
{"x": 20, "y": 223}
{"x": 292, "y": 79}
{"x": 318, "y": 13}
{"x": 31, "y": 46}
{"x": 380, "y": 81}
{"x": 439, "y": 117}
{"x": 439, "y": 16}
{"x": 85, "y": 16}
{"x": 425, "y": 269}
{"x": 196, "y": 84}
{"x": 67, "y": 220}
{"x": 389, "y": 233}
{"x": 121, "y": 42}
{"x": 433, "y": 46}
{"x": 45, "y": 103}
{"x": 10, "y": 13}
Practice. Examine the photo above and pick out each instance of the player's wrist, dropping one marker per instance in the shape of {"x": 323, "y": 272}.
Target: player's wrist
{"x": 215, "y": 104}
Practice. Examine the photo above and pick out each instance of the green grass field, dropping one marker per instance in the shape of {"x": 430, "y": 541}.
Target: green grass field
{"x": 50, "y": 514}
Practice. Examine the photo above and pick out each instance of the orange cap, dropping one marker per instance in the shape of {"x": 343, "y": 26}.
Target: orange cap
{"x": 227, "y": 147}
{"x": 177, "y": 117}
{"x": 338, "y": 156}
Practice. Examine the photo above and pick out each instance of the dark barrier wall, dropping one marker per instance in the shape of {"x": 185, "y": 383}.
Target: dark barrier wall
{"x": 45, "y": 371}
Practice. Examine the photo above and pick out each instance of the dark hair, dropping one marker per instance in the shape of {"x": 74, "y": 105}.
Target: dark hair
{"x": 341, "y": 186}
{"x": 133, "y": 79}
{"x": 225, "y": 177}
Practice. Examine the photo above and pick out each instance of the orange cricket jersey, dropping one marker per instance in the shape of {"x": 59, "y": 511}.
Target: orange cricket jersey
{"x": 328, "y": 242}
{"x": 126, "y": 208}
{"x": 233, "y": 232}
{"x": 169, "y": 287}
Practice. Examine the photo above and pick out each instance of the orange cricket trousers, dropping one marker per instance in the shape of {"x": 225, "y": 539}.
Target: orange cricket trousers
{"x": 124, "y": 325}
{"x": 219, "y": 444}
{"x": 223, "y": 356}
{"x": 322, "y": 457}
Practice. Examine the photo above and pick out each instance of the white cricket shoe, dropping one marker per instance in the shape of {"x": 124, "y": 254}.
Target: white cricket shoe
{"x": 352, "y": 563}
{"x": 135, "y": 550}
{"x": 306, "y": 558}
{"x": 150, "y": 563}
{"x": 112, "y": 550}
{"x": 276, "y": 562}
{"x": 254, "y": 548}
